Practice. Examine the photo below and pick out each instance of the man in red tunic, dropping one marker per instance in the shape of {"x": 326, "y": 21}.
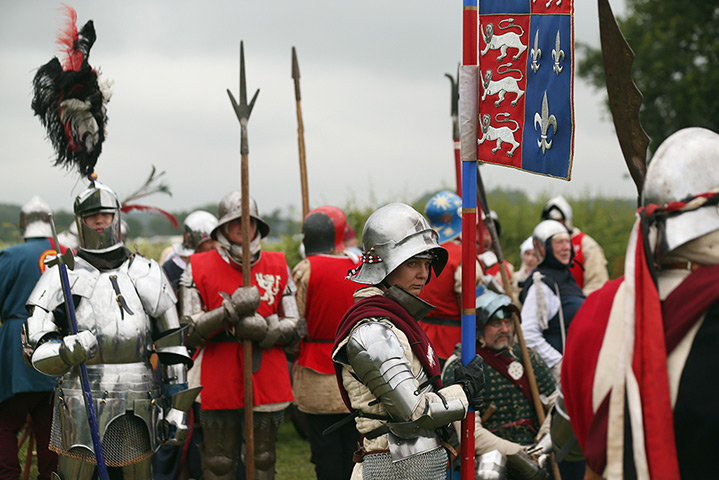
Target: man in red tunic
{"x": 222, "y": 312}
{"x": 640, "y": 362}
{"x": 323, "y": 297}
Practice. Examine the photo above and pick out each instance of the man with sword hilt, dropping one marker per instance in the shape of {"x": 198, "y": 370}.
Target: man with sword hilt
{"x": 264, "y": 312}
{"x": 124, "y": 310}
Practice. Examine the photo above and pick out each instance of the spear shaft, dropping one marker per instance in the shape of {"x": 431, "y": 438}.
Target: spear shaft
{"x": 300, "y": 136}
{"x": 243, "y": 110}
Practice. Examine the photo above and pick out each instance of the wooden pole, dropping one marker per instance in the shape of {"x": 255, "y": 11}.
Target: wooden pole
{"x": 243, "y": 110}
{"x": 300, "y": 136}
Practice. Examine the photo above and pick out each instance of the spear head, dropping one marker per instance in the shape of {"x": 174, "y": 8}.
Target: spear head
{"x": 625, "y": 99}
{"x": 243, "y": 109}
{"x": 296, "y": 74}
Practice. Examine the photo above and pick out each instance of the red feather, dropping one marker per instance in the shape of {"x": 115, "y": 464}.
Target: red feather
{"x": 67, "y": 39}
{"x": 147, "y": 208}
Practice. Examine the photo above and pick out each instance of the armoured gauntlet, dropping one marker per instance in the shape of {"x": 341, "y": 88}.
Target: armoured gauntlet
{"x": 243, "y": 302}
{"x": 78, "y": 348}
{"x": 471, "y": 377}
{"x": 273, "y": 329}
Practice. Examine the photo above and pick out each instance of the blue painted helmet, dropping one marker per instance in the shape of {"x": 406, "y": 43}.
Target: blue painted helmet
{"x": 444, "y": 212}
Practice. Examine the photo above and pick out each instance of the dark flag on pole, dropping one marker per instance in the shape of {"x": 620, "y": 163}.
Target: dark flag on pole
{"x": 526, "y": 85}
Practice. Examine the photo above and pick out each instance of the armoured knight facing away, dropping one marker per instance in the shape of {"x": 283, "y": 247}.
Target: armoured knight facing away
{"x": 125, "y": 311}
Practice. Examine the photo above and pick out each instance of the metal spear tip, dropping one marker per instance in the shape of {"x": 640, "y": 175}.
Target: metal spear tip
{"x": 243, "y": 109}
{"x": 295, "y": 65}
{"x": 296, "y": 75}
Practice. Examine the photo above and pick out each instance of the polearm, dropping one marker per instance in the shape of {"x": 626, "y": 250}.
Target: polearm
{"x": 300, "y": 136}
{"x": 624, "y": 96}
{"x": 531, "y": 378}
{"x": 468, "y": 122}
{"x": 243, "y": 111}
{"x": 454, "y": 105}
{"x": 63, "y": 262}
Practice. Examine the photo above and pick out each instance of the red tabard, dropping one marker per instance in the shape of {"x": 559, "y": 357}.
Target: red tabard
{"x": 439, "y": 292}
{"x": 329, "y": 296}
{"x": 577, "y": 271}
{"x": 222, "y": 362}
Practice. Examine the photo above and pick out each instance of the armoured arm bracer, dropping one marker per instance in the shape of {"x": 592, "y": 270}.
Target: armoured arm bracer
{"x": 289, "y": 316}
{"x": 51, "y": 353}
{"x": 378, "y": 359}
{"x": 202, "y": 324}
{"x": 44, "y": 340}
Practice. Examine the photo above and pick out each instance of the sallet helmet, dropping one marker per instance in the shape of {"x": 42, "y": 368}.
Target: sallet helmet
{"x": 558, "y": 208}
{"x": 488, "y": 304}
{"x": 69, "y": 237}
{"x": 684, "y": 165}
{"x": 230, "y": 208}
{"x": 392, "y": 234}
{"x": 323, "y": 230}
{"x": 196, "y": 229}
{"x": 98, "y": 198}
{"x": 35, "y": 218}
{"x": 444, "y": 212}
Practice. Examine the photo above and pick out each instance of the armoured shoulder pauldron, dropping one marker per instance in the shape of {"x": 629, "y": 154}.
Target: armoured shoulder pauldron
{"x": 47, "y": 293}
{"x": 152, "y": 285}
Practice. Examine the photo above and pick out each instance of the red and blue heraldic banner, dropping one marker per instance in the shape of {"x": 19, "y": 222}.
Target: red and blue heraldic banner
{"x": 526, "y": 91}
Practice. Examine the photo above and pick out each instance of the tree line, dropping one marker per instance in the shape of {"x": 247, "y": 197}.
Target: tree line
{"x": 608, "y": 220}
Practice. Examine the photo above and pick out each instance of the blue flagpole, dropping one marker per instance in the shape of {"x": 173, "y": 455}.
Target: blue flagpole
{"x": 468, "y": 121}
{"x": 87, "y": 393}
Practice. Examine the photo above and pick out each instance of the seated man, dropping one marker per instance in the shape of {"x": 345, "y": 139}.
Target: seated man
{"x": 509, "y": 419}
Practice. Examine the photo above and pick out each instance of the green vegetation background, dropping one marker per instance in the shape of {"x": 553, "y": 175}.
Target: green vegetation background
{"x": 608, "y": 220}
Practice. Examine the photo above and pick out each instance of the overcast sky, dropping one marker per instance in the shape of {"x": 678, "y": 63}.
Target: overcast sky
{"x": 375, "y": 100}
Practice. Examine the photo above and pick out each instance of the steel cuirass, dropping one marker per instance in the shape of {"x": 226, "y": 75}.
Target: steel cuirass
{"x": 124, "y": 308}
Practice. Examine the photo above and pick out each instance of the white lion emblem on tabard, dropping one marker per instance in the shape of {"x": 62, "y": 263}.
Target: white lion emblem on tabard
{"x": 271, "y": 286}
{"x": 502, "y": 86}
{"x": 504, "y": 41}
{"x": 500, "y": 135}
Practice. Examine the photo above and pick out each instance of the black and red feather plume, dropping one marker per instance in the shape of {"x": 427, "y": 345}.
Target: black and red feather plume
{"x": 69, "y": 99}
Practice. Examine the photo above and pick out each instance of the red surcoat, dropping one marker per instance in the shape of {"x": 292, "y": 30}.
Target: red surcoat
{"x": 222, "y": 361}
{"x": 439, "y": 292}
{"x": 577, "y": 271}
{"x": 329, "y": 296}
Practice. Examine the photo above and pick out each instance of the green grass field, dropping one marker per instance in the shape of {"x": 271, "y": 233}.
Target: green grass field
{"x": 293, "y": 456}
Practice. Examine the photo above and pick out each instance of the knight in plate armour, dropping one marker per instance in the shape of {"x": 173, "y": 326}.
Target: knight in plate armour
{"x": 386, "y": 366}
{"x": 125, "y": 310}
